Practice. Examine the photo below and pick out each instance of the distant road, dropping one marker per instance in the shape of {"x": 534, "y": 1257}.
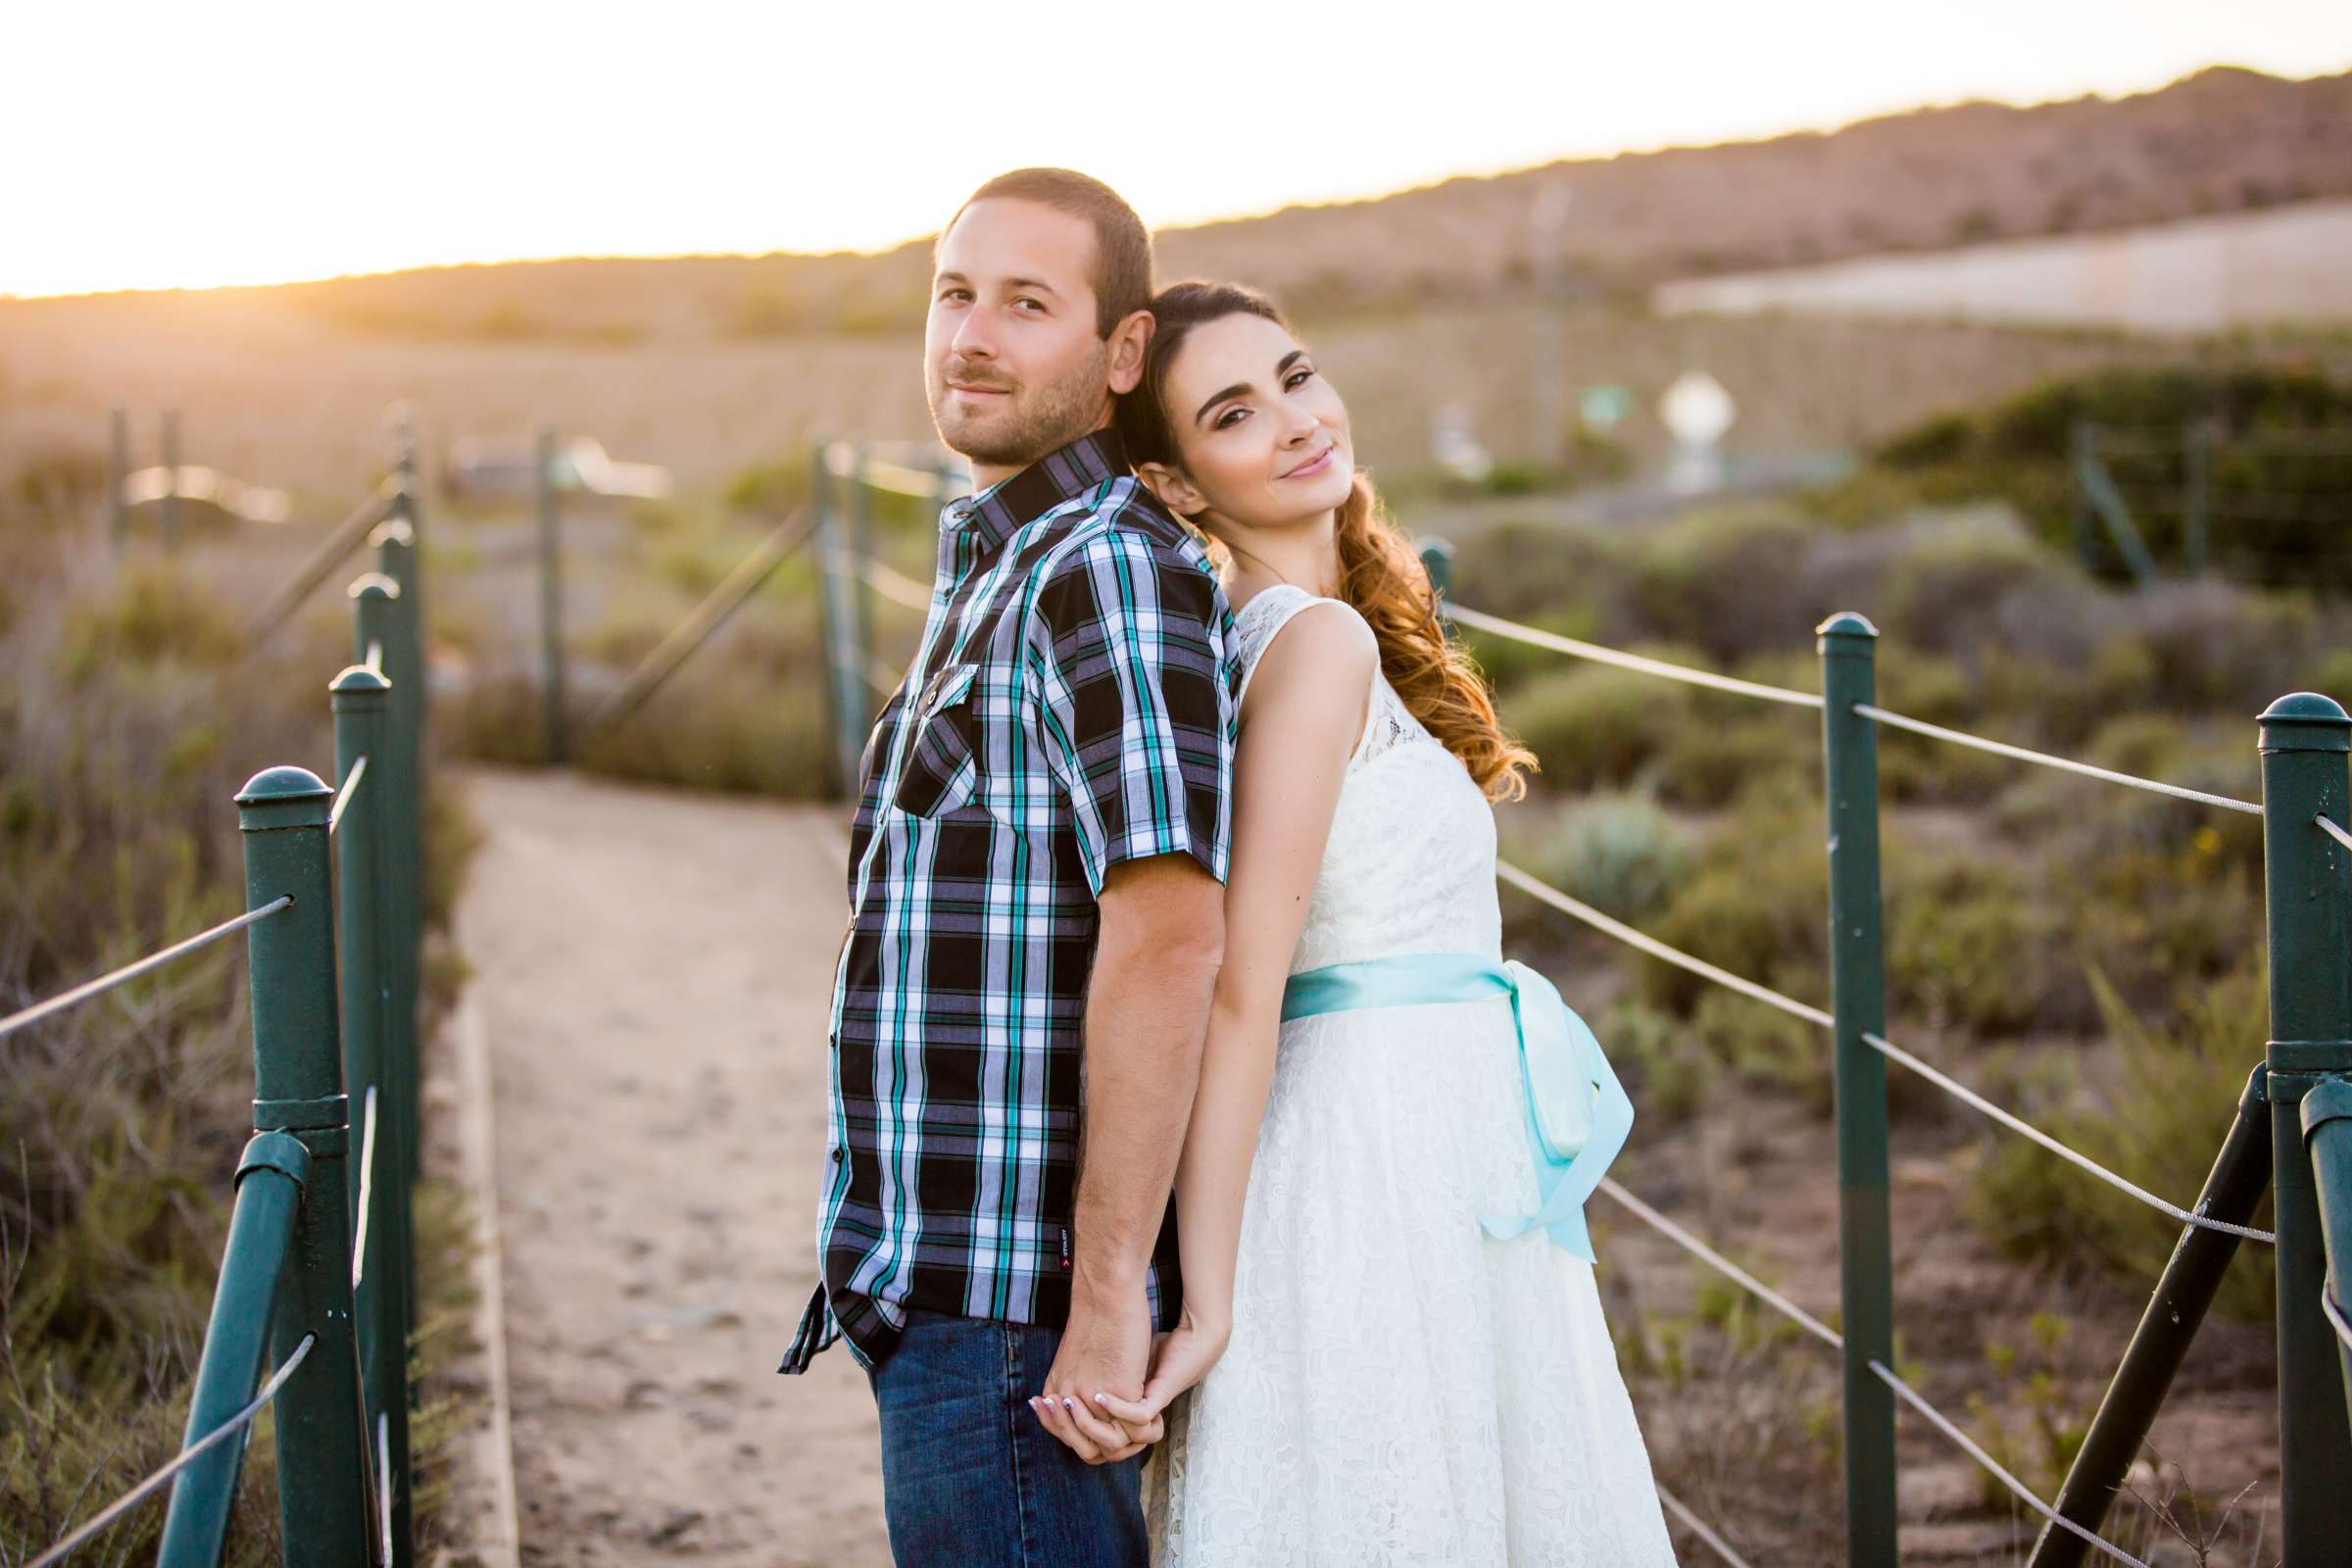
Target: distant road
{"x": 2202, "y": 274}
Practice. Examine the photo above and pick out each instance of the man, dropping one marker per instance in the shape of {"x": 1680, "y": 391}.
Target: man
{"x": 1036, "y": 919}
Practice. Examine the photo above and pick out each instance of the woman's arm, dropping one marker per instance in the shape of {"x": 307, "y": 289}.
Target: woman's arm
{"x": 1300, "y": 721}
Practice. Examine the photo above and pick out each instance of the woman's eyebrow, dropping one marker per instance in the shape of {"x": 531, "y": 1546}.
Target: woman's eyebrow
{"x": 1282, "y": 368}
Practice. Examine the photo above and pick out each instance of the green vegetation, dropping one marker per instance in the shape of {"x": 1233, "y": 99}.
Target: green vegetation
{"x": 2277, "y": 462}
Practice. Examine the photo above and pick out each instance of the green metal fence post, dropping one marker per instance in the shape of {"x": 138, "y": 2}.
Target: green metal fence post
{"x": 1437, "y": 559}
{"x": 2241, "y": 1175}
{"x": 379, "y": 1256}
{"x": 2304, "y": 776}
{"x": 383, "y": 619}
{"x": 167, "y": 514}
{"x": 858, "y": 595}
{"x": 550, "y": 597}
{"x": 117, "y": 469}
{"x": 844, "y": 681}
{"x": 322, "y": 1471}
{"x": 407, "y": 505}
{"x": 236, "y": 1345}
{"x": 1858, "y": 991}
{"x": 2327, "y": 1132}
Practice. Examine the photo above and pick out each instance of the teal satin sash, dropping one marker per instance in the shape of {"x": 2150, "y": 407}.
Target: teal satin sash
{"x": 1422, "y": 979}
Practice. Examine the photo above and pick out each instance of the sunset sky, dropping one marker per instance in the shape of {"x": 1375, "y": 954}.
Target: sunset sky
{"x": 153, "y": 146}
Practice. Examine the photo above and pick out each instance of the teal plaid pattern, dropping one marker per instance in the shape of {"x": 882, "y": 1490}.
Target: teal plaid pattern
{"x": 1070, "y": 707}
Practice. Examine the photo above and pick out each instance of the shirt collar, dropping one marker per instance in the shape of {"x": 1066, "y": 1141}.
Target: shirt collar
{"x": 1060, "y": 475}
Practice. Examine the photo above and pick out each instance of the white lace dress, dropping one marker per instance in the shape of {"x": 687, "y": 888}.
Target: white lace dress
{"x": 1401, "y": 1389}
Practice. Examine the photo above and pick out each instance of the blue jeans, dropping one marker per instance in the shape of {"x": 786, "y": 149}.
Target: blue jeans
{"x": 970, "y": 1478}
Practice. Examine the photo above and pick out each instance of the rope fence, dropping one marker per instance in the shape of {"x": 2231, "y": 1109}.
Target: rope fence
{"x": 1578, "y": 648}
{"x": 1700, "y": 1528}
{"x": 2081, "y": 1161}
{"x": 1846, "y": 692}
{"x": 132, "y": 971}
{"x": 2064, "y": 764}
{"x": 351, "y": 785}
{"x": 1970, "y": 1447}
{"x": 1837, "y": 1342}
{"x": 2334, "y": 832}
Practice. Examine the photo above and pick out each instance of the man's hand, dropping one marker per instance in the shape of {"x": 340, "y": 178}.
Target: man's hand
{"x": 1106, "y": 1347}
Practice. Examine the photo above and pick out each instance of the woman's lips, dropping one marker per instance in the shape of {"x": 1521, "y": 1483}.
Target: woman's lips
{"x": 1312, "y": 465}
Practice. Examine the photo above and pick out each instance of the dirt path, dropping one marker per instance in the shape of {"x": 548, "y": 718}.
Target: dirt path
{"x": 650, "y": 972}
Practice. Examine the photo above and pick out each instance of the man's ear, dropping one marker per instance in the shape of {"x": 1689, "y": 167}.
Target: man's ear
{"x": 1128, "y": 340}
{"x": 1175, "y": 491}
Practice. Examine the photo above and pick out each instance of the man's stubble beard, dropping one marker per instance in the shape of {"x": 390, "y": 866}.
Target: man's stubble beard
{"x": 1059, "y": 413}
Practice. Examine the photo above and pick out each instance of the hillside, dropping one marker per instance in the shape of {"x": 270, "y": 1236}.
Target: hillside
{"x": 2222, "y": 141}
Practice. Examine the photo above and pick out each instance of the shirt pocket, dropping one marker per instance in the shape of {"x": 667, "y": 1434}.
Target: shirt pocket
{"x": 943, "y": 762}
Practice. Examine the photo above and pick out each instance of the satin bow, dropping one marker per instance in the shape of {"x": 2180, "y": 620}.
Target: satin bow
{"x": 1557, "y": 1055}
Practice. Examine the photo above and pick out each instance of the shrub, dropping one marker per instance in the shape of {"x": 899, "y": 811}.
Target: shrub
{"x": 1757, "y": 906}
{"x": 1967, "y": 947}
{"x": 1763, "y": 1045}
{"x": 1662, "y": 1061}
{"x": 151, "y": 616}
{"x": 2164, "y": 1099}
{"x": 1618, "y": 853}
{"x": 1695, "y": 581}
{"x": 1591, "y": 726}
{"x": 1707, "y": 767}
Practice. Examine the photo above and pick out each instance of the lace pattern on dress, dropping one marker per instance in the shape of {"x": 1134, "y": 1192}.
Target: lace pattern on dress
{"x": 1388, "y": 723}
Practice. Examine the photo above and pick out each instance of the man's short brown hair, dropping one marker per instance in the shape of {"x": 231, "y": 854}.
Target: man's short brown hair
{"x": 1123, "y": 277}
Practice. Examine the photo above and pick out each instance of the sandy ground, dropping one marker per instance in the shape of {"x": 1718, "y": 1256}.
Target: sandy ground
{"x": 650, "y": 977}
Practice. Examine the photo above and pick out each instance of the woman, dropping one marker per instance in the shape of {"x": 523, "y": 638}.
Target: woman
{"x": 1380, "y": 1379}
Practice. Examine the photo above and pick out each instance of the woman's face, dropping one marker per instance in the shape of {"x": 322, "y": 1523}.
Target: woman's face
{"x": 1262, "y": 435}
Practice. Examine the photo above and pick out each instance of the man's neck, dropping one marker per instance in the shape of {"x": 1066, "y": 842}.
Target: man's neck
{"x": 987, "y": 476}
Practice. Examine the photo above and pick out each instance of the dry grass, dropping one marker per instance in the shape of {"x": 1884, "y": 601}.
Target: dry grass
{"x": 130, "y": 713}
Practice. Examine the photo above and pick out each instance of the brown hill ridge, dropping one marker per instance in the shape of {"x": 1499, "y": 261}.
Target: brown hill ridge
{"x": 2224, "y": 139}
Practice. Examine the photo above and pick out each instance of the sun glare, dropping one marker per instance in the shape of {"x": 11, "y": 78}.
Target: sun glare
{"x": 273, "y": 143}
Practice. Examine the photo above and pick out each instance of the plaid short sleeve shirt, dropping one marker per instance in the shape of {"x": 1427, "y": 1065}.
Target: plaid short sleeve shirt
{"x": 1071, "y": 707}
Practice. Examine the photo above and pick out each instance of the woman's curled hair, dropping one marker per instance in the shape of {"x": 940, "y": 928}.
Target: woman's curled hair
{"x": 1379, "y": 574}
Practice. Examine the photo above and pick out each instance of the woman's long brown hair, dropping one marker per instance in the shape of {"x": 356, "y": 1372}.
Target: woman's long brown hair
{"x": 1379, "y": 574}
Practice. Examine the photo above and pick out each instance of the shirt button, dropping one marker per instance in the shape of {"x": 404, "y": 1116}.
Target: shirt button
{"x": 837, "y": 1157}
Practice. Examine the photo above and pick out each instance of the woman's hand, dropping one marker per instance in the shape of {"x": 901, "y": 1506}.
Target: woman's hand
{"x": 1180, "y": 1358}
{"x": 1116, "y": 1429}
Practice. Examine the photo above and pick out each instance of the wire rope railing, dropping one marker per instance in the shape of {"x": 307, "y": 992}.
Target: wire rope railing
{"x": 1706, "y": 1533}
{"x": 1994, "y": 1467}
{"x": 1664, "y": 669}
{"x": 1834, "y": 1340}
{"x": 343, "y": 795}
{"x": 91, "y": 989}
{"x": 892, "y": 584}
{"x": 2304, "y": 742}
{"x": 2064, "y": 764}
{"x": 82, "y": 1533}
{"x": 319, "y": 1253}
{"x": 2081, "y": 1161}
{"x": 1545, "y": 893}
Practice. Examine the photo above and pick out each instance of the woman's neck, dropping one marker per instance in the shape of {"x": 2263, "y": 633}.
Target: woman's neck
{"x": 1303, "y": 555}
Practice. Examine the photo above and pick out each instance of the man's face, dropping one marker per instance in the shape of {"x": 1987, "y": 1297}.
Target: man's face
{"x": 1011, "y": 358}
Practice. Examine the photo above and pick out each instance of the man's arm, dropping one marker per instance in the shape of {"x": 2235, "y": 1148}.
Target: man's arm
{"x": 1137, "y": 719}
{"x": 1146, "y": 1013}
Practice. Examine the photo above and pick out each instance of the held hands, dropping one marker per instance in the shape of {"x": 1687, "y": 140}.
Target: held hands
{"x": 1096, "y": 1418}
